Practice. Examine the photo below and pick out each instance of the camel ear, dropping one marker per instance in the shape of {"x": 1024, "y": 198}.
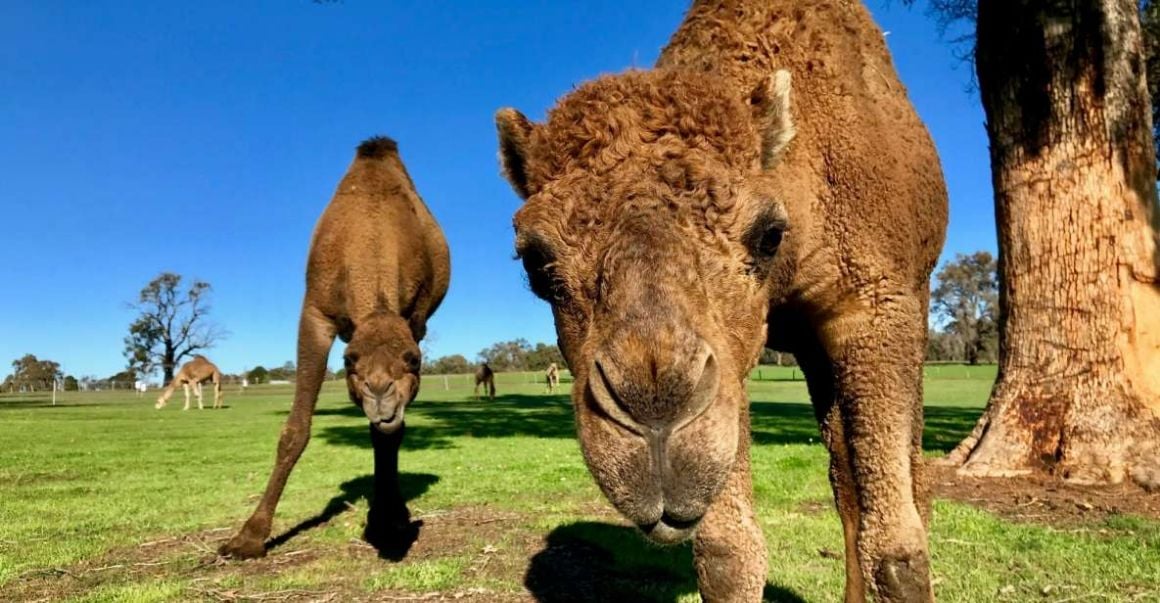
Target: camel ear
{"x": 515, "y": 134}
{"x": 770, "y": 102}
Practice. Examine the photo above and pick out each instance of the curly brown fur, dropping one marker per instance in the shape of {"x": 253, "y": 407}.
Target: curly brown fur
{"x": 656, "y": 206}
{"x": 378, "y": 269}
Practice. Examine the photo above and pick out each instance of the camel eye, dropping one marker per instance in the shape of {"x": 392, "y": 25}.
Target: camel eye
{"x": 770, "y": 241}
{"x": 765, "y": 236}
{"x": 539, "y": 263}
{"x": 412, "y": 361}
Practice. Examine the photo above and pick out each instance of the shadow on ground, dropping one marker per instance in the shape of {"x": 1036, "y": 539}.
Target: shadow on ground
{"x": 412, "y": 485}
{"x": 510, "y": 415}
{"x": 45, "y": 404}
{"x": 547, "y": 416}
{"x": 592, "y": 561}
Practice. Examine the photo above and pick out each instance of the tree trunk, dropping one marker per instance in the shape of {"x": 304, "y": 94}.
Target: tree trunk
{"x": 167, "y": 364}
{"x": 1078, "y": 392}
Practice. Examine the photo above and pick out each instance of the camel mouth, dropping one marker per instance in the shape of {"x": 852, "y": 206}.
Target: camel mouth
{"x": 391, "y": 422}
{"x": 669, "y": 529}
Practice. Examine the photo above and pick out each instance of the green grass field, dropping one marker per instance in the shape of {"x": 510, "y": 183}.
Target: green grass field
{"x": 103, "y": 498}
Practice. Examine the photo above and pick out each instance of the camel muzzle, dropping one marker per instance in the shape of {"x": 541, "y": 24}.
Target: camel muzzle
{"x": 385, "y": 410}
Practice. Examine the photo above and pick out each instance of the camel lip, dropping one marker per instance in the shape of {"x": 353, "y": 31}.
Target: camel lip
{"x": 391, "y": 424}
{"x": 665, "y": 534}
{"x": 669, "y": 529}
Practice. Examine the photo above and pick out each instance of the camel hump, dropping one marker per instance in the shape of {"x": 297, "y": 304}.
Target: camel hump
{"x": 377, "y": 147}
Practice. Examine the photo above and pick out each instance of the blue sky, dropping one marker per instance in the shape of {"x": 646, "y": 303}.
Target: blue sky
{"x": 206, "y": 137}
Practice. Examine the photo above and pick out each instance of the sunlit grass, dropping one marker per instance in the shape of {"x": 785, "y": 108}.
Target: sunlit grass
{"x": 84, "y": 484}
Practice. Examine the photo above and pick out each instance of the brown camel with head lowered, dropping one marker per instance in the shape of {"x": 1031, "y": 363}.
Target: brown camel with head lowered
{"x": 377, "y": 271}
{"x": 552, "y": 375}
{"x": 193, "y": 374}
{"x": 679, "y": 219}
{"x": 486, "y": 377}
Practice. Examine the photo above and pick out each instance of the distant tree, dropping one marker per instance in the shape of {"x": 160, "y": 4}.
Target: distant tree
{"x": 943, "y": 347}
{"x": 454, "y": 364}
{"x": 171, "y": 325}
{"x": 539, "y": 357}
{"x": 286, "y": 372}
{"x": 774, "y": 358}
{"x": 966, "y": 298}
{"x": 340, "y": 373}
{"x": 32, "y": 373}
{"x": 507, "y": 355}
{"x": 258, "y": 374}
{"x": 128, "y": 375}
{"x": 71, "y": 384}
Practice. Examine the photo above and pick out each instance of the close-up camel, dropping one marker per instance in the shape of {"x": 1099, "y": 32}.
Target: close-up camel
{"x": 552, "y": 376}
{"x": 191, "y": 375}
{"x": 378, "y": 269}
{"x": 679, "y": 219}
{"x": 486, "y": 377}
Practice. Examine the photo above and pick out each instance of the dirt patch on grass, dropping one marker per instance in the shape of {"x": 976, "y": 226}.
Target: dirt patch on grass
{"x": 190, "y": 560}
{"x": 1044, "y": 500}
{"x": 814, "y": 506}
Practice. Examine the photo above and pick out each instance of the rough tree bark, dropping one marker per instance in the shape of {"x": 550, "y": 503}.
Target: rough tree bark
{"x": 1069, "y": 119}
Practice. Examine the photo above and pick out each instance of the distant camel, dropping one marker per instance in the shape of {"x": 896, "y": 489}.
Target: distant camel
{"x": 194, "y": 373}
{"x": 378, "y": 269}
{"x": 553, "y": 375}
{"x": 486, "y": 377}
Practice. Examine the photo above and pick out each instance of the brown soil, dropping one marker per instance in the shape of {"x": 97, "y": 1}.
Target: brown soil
{"x": 193, "y": 557}
{"x": 503, "y": 549}
{"x": 1045, "y": 500}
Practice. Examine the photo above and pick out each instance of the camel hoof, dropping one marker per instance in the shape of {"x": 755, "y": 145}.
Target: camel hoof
{"x": 243, "y": 548}
{"x": 393, "y": 539}
{"x": 904, "y": 579}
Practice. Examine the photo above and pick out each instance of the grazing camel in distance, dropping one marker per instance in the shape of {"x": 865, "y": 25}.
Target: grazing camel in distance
{"x": 193, "y": 374}
{"x": 378, "y": 269}
{"x": 486, "y": 377}
{"x": 553, "y": 377}
{"x": 675, "y": 230}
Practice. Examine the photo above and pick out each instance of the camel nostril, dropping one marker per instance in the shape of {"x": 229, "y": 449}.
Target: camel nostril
{"x": 601, "y": 386}
{"x": 650, "y": 400}
{"x": 704, "y": 391}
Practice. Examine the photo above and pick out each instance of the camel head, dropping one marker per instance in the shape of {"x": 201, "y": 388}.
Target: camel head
{"x": 650, "y": 227}
{"x": 382, "y": 369}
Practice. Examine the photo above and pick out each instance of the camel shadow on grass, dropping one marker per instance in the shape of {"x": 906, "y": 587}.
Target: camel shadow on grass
{"x": 592, "y": 561}
{"x": 546, "y": 416}
{"x": 394, "y": 548}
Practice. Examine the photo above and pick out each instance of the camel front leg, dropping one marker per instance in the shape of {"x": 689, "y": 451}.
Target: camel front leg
{"x": 877, "y": 370}
{"x": 819, "y": 372}
{"x": 729, "y": 548}
{"x": 217, "y": 392}
{"x": 315, "y": 336}
{"x": 185, "y": 388}
{"x": 389, "y": 527}
{"x": 197, "y": 392}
